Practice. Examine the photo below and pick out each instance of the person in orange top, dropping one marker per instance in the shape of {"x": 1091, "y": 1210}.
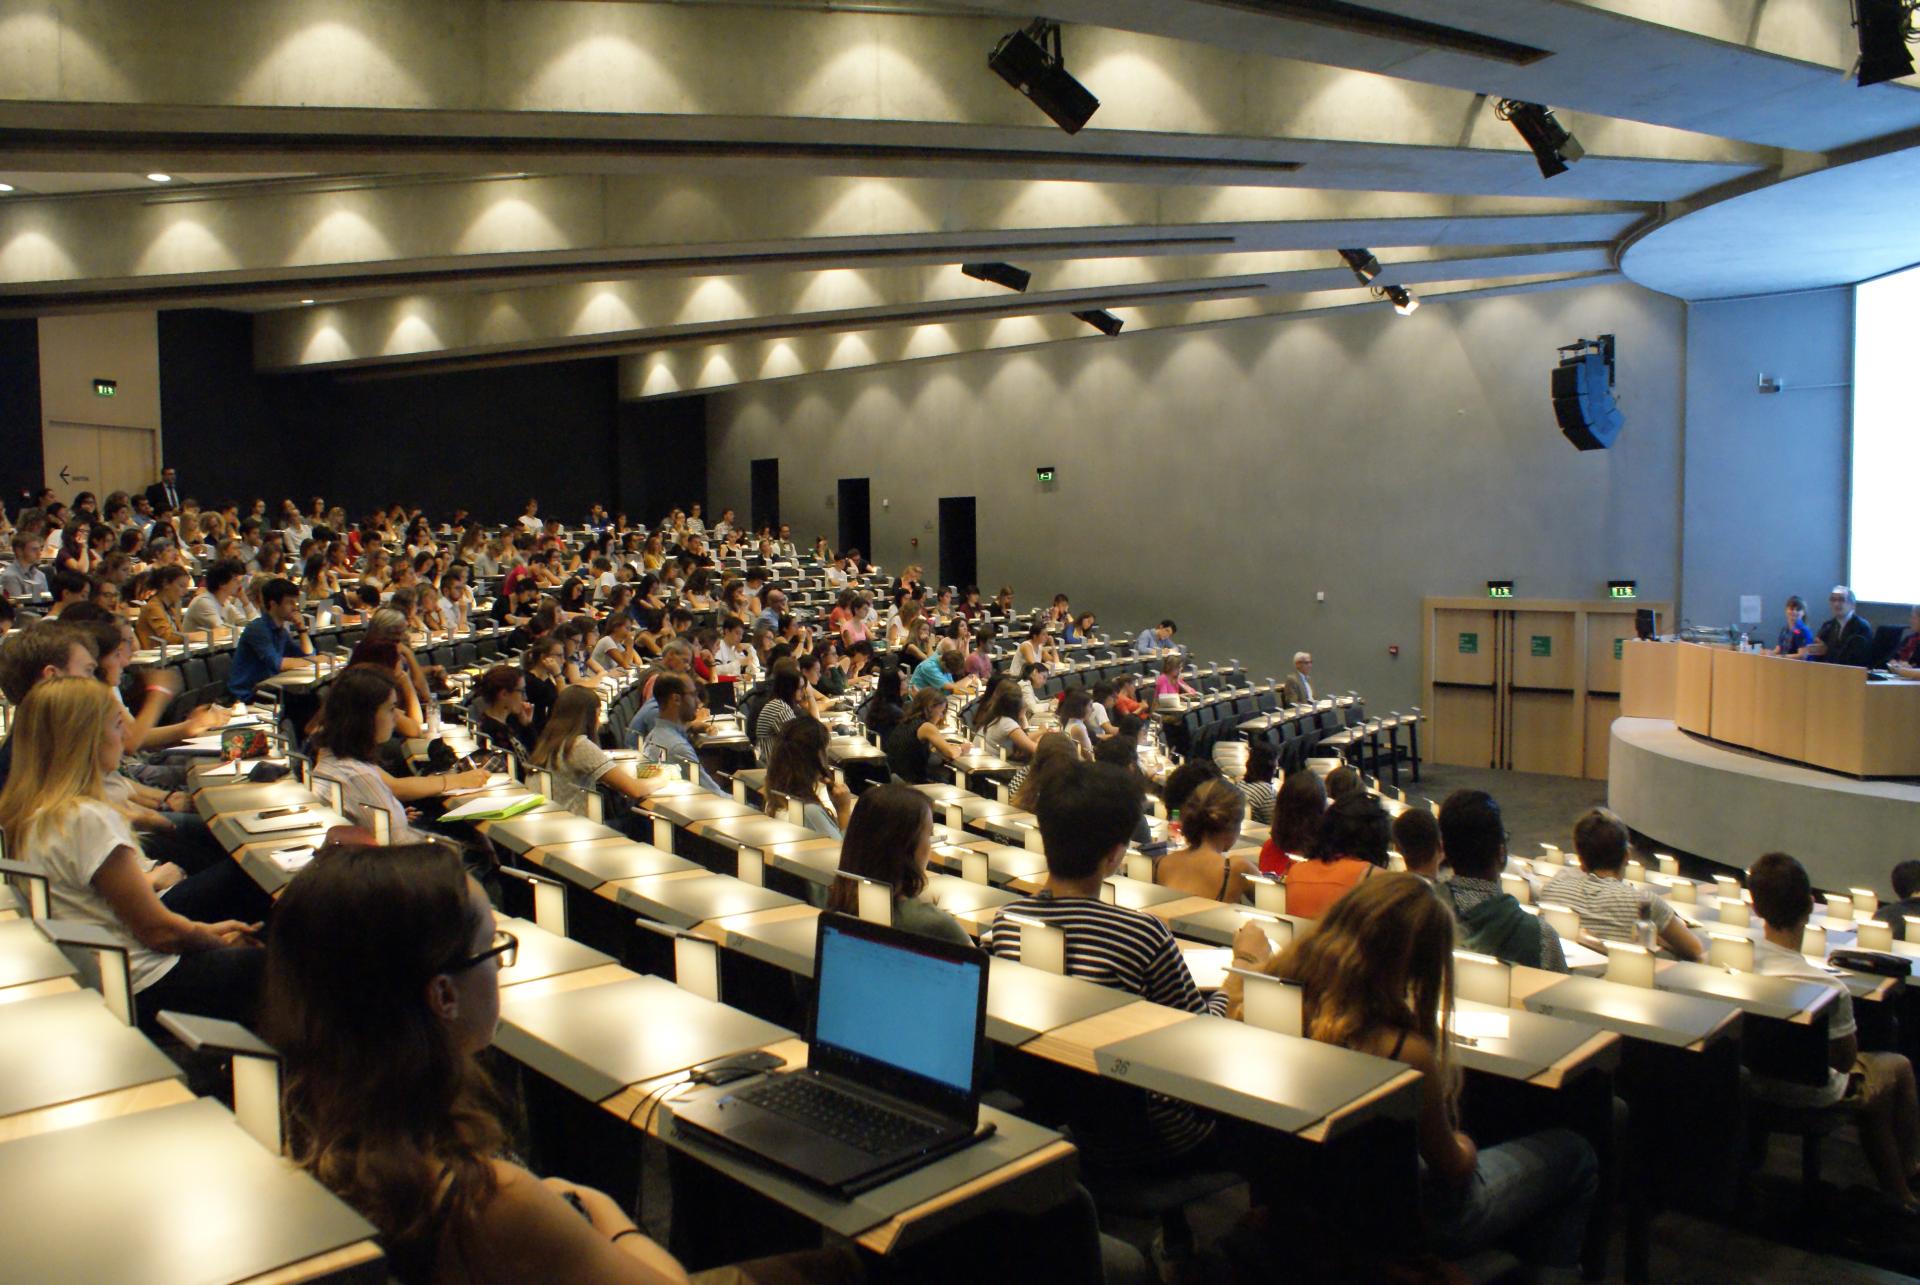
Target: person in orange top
{"x": 1297, "y": 811}
{"x": 1351, "y": 846}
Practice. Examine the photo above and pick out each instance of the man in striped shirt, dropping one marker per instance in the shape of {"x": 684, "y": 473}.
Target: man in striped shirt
{"x": 1609, "y": 906}
{"x": 1086, "y": 818}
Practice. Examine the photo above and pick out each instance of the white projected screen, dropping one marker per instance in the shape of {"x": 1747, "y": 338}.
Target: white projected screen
{"x": 1885, "y": 417}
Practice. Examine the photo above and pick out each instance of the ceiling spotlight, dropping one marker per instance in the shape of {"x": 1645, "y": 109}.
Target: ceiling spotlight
{"x": 6, "y": 187}
{"x": 1364, "y": 265}
{"x": 305, "y": 302}
{"x": 1553, "y": 147}
{"x": 1402, "y": 299}
{"x": 1001, "y": 274}
{"x": 1884, "y": 27}
{"x": 1102, "y": 320}
{"x": 159, "y": 178}
{"x": 1030, "y": 61}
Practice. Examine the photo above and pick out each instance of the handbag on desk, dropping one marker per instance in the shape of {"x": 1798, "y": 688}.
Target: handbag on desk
{"x": 1878, "y": 963}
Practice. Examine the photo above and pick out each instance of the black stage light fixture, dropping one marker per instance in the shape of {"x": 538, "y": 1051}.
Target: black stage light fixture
{"x": 1030, "y": 61}
{"x": 1000, "y": 274}
{"x": 1364, "y": 265}
{"x": 1884, "y": 28}
{"x": 1553, "y": 147}
{"x": 1102, "y": 320}
{"x": 1402, "y": 299}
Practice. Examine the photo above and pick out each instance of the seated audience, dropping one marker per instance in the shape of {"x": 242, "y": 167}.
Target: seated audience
{"x": 1906, "y": 886}
{"x": 1257, "y": 784}
{"x": 1086, "y": 817}
{"x": 668, "y": 742}
{"x": 1298, "y": 811}
{"x": 780, "y": 707}
{"x": 1876, "y": 1088}
{"x": 272, "y": 643}
{"x": 1000, "y": 719}
{"x": 570, "y": 753}
{"x": 190, "y": 940}
{"x": 1053, "y": 750}
{"x": 386, "y": 1104}
{"x": 502, "y": 715}
{"x": 1350, "y": 846}
{"x": 1377, "y": 977}
{"x": 1210, "y": 823}
{"x": 890, "y": 840}
{"x": 1487, "y": 917}
{"x": 1608, "y": 906}
{"x": 356, "y": 721}
{"x": 1416, "y": 837}
{"x": 912, "y": 745}
{"x": 798, "y": 771}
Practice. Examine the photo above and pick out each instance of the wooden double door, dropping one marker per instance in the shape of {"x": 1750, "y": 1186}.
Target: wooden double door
{"x": 1527, "y": 684}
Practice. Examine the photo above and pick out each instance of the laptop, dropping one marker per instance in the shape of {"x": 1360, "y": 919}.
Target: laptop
{"x": 896, "y": 1050}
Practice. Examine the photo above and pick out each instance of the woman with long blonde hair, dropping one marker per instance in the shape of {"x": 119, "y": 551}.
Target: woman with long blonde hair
{"x": 189, "y": 941}
{"x": 1376, "y": 976}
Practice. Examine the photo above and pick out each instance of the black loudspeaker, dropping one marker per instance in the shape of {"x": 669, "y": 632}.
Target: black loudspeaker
{"x": 1583, "y": 403}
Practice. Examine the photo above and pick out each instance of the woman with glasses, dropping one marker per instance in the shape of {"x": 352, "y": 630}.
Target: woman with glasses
{"x": 359, "y": 717}
{"x": 502, "y": 715}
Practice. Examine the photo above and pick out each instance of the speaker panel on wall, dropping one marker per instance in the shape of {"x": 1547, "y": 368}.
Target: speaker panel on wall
{"x": 1583, "y": 402}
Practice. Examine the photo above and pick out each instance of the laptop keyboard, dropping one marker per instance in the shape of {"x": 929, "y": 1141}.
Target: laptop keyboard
{"x": 841, "y": 1116}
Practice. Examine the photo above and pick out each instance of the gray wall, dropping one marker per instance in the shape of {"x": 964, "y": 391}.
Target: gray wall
{"x": 1766, "y": 474}
{"x": 1224, "y": 477}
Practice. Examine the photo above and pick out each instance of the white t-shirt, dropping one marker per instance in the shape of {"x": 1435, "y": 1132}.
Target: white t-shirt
{"x": 73, "y": 845}
{"x": 999, "y": 735}
{"x": 364, "y": 790}
{"x": 1770, "y": 960}
{"x": 532, "y": 523}
{"x": 603, "y": 653}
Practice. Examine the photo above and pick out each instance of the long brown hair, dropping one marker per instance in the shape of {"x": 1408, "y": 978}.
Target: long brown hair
{"x": 1298, "y": 810}
{"x": 797, "y": 767}
{"x": 883, "y": 837}
{"x": 1050, "y": 755}
{"x": 379, "y": 1102}
{"x": 1381, "y": 958}
{"x": 576, "y": 712}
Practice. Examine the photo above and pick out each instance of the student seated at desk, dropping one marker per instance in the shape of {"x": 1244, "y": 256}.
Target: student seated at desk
{"x": 1489, "y": 918}
{"x": 501, "y": 713}
{"x": 1257, "y": 784}
{"x": 1906, "y": 886}
{"x": 272, "y": 643}
{"x": 161, "y": 619}
{"x": 1000, "y": 719}
{"x": 1169, "y": 683}
{"x": 912, "y": 745}
{"x": 1350, "y": 847}
{"x": 385, "y": 1103}
{"x": 1608, "y": 906}
{"x": 1298, "y": 810}
{"x": 890, "y": 840}
{"x": 1877, "y": 1087}
{"x": 1210, "y": 822}
{"x": 1416, "y": 837}
{"x": 569, "y": 749}
{"x": 1377, "y": 977}
{"x": 1053, "y": 751}
{"x": 189, "y": 939}
{"x": 1086, "y": 817}
{"x": 358, "y": 718}
{"x": 798, "y": 771}
{"x": 677, "y": 708}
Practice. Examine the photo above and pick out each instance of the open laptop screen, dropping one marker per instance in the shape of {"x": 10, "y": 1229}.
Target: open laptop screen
{"x": 904, "y": 1008}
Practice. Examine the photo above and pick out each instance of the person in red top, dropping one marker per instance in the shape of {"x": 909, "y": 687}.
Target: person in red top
{"x": 1352, "y": 846}
{"x": 1297, "y": 811}
{"x": 1123, "y": 699}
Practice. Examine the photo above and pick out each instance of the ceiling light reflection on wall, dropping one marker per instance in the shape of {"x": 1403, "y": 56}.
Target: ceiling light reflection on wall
{"x": 1031, "y": 62}
{"x": 1102, "y": 320}
{"x": 158, "y": 177}
{"x": 1000, "y": 274}
{"x": 1553, "y": 147}
{"x": 1365, "y": 266}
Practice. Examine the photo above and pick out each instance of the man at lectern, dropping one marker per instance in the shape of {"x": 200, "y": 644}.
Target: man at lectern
{"x": 1847, "y": 639}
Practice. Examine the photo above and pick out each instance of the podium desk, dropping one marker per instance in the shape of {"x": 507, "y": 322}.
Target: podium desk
{"x": 83, "y": 1205}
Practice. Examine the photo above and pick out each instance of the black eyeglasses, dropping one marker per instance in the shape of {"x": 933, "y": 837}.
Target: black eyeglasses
{"x": 505, "y": 945}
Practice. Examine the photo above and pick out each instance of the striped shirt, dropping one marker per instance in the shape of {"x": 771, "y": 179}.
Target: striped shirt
{"x": 1608, "y": 908}
{"x": 1260, "y": 797}
{"x": 1130, "y": 951}
{"x": 774, "y": 715}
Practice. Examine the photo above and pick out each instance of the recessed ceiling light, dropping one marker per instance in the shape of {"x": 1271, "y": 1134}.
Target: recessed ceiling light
{"x": 305, "y": 302}
{"x": 159, "y": 178}
{"x": 6, "y": 187}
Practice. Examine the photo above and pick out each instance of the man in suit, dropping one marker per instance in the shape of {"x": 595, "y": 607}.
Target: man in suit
{"x": 1847, "y": 639}
{"x": 164, "y": 495}
{"x": 1298, "y": 688}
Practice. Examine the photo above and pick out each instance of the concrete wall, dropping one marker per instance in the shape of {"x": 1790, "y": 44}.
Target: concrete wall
{"x": 1766, "y": 474}
{"x": 1226, "y": 477}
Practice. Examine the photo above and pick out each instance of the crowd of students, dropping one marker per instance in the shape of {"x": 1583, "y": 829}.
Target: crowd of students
{"x": 384, "y": 1101}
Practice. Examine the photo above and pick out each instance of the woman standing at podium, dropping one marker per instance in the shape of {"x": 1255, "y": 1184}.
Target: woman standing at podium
{"x": 1796, "y": 633}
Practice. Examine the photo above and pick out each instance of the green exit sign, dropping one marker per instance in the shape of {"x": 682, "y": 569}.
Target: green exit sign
{"x": 1499, "y": 588}
{"x": 1044, "y": 476}
{"x": 1623, "y": 588}
{"x": 105, "y": 387}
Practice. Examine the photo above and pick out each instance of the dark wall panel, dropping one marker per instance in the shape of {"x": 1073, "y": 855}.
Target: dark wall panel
{"x": 483, "y": 440}
{"x": 20, "y": 454}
